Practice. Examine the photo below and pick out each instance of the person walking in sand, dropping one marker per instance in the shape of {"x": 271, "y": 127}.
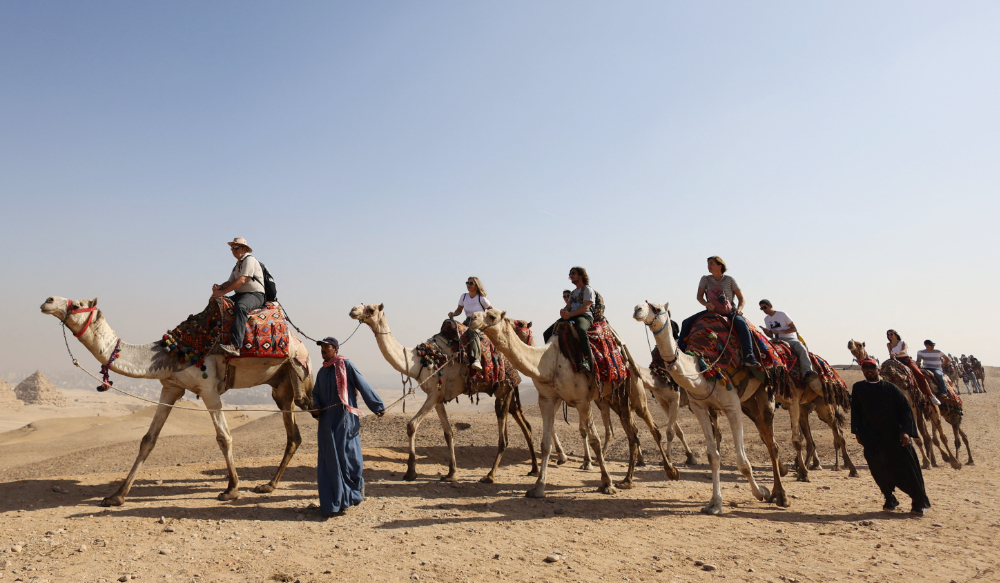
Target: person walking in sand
{"x": 335, "y": 401}
{"x": 247, "y": 280}
{"x": 882, "y": 422}
{"x": 779, "y": 326}
{"x": 472, "y": 301}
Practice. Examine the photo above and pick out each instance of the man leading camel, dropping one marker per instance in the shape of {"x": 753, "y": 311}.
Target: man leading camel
{"x": 779, "y": 325}
{"x": 882, "y": 422}
{"x": 247, "y": 280}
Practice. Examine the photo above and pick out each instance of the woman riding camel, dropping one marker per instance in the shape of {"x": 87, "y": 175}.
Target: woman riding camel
{"x": 472, "y": 301}
{"x": 716, "y": 291}
{"x": 897, "y": 351}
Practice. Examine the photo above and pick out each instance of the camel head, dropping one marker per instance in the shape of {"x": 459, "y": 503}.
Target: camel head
{"x": 647, "y": 313}
{"x": 523, "y": 330}
{"x": 367, "y": 313}
{"x": 857, "y": 349}
{"x": 487, "y": 319}
{"x": 57, "y": 306}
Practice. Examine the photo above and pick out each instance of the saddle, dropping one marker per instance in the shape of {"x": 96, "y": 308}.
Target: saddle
{"x": 496, "y": 369}
{"x": 951, "y": 398}
{"x": 610, "y": 367}
{"x": 266, "y": 334}
{"x": 834, "y": 387}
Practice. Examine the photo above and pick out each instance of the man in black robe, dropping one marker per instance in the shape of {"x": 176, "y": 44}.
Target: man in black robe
{"x": 883, "y": 423}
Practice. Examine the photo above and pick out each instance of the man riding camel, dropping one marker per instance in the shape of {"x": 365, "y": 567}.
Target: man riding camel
{"x": 247, "y": 280}
{"x": 579, "y": 312}
{"x": 779, "y": 326}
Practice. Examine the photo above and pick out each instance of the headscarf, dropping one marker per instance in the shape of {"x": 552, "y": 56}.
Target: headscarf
{"x": 340, "y": 369}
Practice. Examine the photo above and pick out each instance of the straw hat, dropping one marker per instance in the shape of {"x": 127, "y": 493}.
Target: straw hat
{"x": 240, "y": 242}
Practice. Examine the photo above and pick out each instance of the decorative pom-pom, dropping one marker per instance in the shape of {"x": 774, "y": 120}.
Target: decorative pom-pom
{"x": 204, "y": 375}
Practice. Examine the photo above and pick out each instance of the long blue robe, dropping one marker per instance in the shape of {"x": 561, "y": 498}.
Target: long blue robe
{"x": 339, "y": 466}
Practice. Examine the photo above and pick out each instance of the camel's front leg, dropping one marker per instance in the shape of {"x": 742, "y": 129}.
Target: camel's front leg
{"x": 758, "y": 408}
{"x": 943, "y": 444}
{"x": 922, "y": 441}
{"x": 812, "y": 458}
{"x": 501, "y": 406}
{"x": 169, "y": 395}
{"x": 284, "y": 396}
{"x": 795, "y": 413}
{"x": 647, "y": 417}
{"x": 689, "y": 457}
{"x": 560, "y": 452}
{"x": 631, "y": 431}
{"x": 214, "y": 404}
{"x": 735, "y": 417}
{"x": 828, "y": 414}
{"x": 518, "y": 414}
{"x": 547, "y": 406}
{"x": 449, "y": 438}
{"x": 609, "y": 433}
{"x": 714, "y": 505}
{"x": 583, "y": 409}
{"x": 411, "y": 433}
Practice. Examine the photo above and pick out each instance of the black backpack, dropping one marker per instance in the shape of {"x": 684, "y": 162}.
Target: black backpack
{"x": 597, "y": 308}
{"x": 270, "y": 288}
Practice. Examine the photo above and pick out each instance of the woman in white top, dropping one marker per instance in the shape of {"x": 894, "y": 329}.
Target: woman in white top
{"x": 897, "y": 351}
{"x": 728, "y": 287}
{"x": 472, "y": 301}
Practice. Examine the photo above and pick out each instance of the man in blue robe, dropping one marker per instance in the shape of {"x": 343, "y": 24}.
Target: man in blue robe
{"x": 335, "y": 396}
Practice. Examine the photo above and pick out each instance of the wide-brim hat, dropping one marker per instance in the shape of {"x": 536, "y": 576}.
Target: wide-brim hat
{"x": 240, "y": 242}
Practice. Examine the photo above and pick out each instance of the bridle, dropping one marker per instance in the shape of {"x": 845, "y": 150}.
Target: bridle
{"x": 666, "y": 324}
{"x": 70, "y": 311}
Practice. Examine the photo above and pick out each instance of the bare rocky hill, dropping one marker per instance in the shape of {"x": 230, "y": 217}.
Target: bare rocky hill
{"x": 38, "y": 390}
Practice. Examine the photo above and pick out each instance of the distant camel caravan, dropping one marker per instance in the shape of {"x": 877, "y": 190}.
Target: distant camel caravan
{"x": 291, "y": 383}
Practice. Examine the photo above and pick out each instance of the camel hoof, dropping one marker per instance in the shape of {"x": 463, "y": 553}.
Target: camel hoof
{"x": 533, "y": 472}
{"x": 640, "y": 464}
{"x": 780, "y": 499}
{"x": 765, "y": 494}
{"x": 713, "y": 509}
{"x": 607, "y": 489}
{"x": 782, "y": 470}
{"x": 802, "y": 478}
{"x": 561, "y": 461}
{"x": 449, "y": 478}
{"x": 487, "y": 479}
{"x": 853, "y": 474}
{"x": 113, "y": 501}
{"x": 228, "y": 495}
{"x": 625, "y": 485}
{"x": 264, "y": 489}
{"x": 970, "y": 463}
{"x": 672, "y": 473}
{"x": 691, "y": 460}
{"x": 410, "y": 475}
{"x": 955, "y": 464}
{"x": 586, "y": 466}
{"x": 535, "y": 493}
{"x": 816, "y": 466}
{"x": 925, "y": 466}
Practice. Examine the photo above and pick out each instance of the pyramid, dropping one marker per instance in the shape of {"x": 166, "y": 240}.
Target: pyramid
{"x": 38, "y": 390}
{"x": 8, "y": 399}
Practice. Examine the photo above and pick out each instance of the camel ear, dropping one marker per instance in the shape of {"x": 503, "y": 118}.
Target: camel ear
{"x": 862, "y": 345}
{"x": 503, "y": 315}
{"x": 381, "y": 306}
{"x": 528, "y": 325}
{"x": 93, "y": 302}
{"x": 666, "y": 307}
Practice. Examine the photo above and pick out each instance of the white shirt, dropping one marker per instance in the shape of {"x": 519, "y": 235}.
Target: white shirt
{"x": 779, "y": 323}
{"x": 471, "y": 305}
{"x": 250, "y": 267}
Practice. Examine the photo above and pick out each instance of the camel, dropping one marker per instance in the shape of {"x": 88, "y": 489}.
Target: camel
{"x": 290, "y": 383}
{"x": 924, "y": 410}
{"x": 704, "y": 396}
{"x": 452, "y": 384}
{"x": 555, "y": 380}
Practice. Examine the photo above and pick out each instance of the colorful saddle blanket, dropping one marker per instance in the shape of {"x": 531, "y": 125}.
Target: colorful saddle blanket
{"x": 900, "y": 375}
{"x": 266, "y": 333}
{"x": 658, "y": 368}
{"x": 834, "y": 387}
{"x": 720, "y": 356}
{"x": 952, "y": 397}
{"x": 496, "y": 371}
{"x": 610, "y": 366}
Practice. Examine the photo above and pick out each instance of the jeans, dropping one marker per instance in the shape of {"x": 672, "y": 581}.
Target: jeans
{"x": 739, "y": 326}
{"x": 583, "y": 323}
{"x": 940, "y": 379}
{"x": 243, "y": 304}
{"x": 805, "y": 363}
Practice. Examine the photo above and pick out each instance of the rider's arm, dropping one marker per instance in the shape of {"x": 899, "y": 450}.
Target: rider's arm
{"x": 581, "y": 311}
{"x": 241, "y": 280}
{"x": 739, "y": 295}
{"x": 791, "y": 328}
{"x": 457, "y": 311}
{"x": 702, "y": 299}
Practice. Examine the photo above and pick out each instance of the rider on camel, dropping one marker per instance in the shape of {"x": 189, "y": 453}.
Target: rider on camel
{"x": 779, "y": 326}
{"x": 247, "y": 280}
{"x": 579, "y": 311}
{"x": 472, "y": 301}
{"x": 716, "y": 291}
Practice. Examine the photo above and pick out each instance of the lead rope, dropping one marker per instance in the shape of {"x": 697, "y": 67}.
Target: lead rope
{"x": 299, "y": 330}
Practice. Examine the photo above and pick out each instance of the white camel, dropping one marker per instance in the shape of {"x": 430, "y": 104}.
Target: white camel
{"x": 556, "y": 381}
{"x": 291, "y": 385}
{"x": 705, "y": 395}
{"x": 450, "y": 384}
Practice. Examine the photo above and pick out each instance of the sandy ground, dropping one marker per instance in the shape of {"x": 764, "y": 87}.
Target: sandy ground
{"x": 173, "y": 529}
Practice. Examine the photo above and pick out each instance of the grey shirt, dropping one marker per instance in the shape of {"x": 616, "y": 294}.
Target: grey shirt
{"x": 250, "y": 267}
{"x": 580, "y": 295}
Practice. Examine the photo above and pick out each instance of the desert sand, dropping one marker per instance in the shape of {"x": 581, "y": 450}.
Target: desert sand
{"x": 59, "y": 462}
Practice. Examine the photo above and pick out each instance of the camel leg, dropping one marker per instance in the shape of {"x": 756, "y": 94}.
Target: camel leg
{"x": 560, "y": 452}
{"x": 795, "y": 412}
{"x": 812, "y": 459}
{"x": 283, "y": 396}
{"x": 214, "y": 404}
{"x": 646, "y": 416}
{"x": 588, "y": 462}
{"x": 168, "y": 396}
{"x": 957, "y": 428}
{"x": 547, "y": 406}
{"x": 518, "y": 414}
{"x": 714, "y": 505}
{"x": 501, "y": 405}
{"x": 587, "y": 423}
{"x": 689, "y": 456}
{"x": 735, "y": 418}
{"x": 827, "y": 414}
{"x": 605, "y": 407}
{"x": 631, "y": 435}
{"x": 942, "y": 444}
{"x": 758, "y": 408}
{"x": 411, "y": 433}
{"x": 449, "y": 438}
{"x": 922, "y": 441}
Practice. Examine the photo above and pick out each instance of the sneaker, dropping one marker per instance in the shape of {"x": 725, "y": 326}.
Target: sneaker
{"x": 936, "y": 401}
{"x": 229, "y": 349}
{"x": 585, "y": 365}
{"x": 918, "y": 511}
{"x": 809, "y": 376}
{"x": 477, "y": 365}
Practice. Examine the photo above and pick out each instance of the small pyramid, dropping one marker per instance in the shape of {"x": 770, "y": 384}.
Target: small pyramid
{"x": 8, "y": 398}
{"x": 38, "y": 390}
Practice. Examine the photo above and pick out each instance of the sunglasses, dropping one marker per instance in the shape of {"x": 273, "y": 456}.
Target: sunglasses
{"x": 764, "y": 307}
{"x": 470, "y": 283}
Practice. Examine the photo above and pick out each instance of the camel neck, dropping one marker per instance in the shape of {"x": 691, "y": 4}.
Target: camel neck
{"x": 144, "y": 361}
{"x": 526, "y": 359}
{"x": 398, "y": 356}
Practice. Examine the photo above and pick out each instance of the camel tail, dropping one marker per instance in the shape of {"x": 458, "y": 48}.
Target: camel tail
{"x": 840, "y": 419}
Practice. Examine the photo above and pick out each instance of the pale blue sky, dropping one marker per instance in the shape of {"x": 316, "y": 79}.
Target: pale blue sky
{"x": 842, "y": 158}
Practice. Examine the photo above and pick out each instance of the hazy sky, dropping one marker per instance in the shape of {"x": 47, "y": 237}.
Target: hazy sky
{"x": 842, "y": 158}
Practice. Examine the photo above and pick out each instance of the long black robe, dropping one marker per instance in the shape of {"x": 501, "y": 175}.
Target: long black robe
{"x": 879, "y": 413}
